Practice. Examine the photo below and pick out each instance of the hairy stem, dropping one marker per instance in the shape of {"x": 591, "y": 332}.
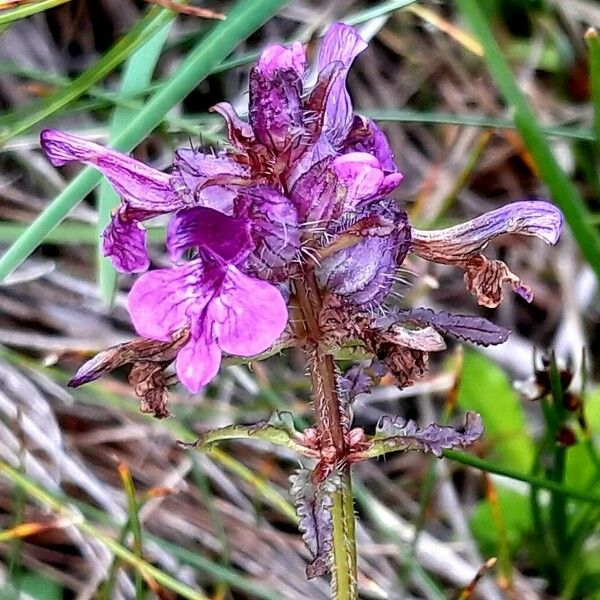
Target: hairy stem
{"x": 333, "y": 423}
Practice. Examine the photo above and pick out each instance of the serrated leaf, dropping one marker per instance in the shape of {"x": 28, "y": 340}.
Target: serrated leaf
{"x": 465, "y": 327}
{"x": 278, "y": 429}
{"x": 314, "y": 502}
{"x": 395, "y": 433}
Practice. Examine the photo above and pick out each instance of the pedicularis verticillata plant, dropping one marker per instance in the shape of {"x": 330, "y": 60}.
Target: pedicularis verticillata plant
{"x": 290, "y": 237}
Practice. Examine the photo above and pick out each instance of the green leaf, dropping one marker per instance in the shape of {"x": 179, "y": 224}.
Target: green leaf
{"x": 27, "y": 10}
{"x": 486, "y": 389}
{"x": 12, "y": 124}
{"x": 244, "y": 18}
{"x": 516, "y": 514}
{"x": 278, "y": 430}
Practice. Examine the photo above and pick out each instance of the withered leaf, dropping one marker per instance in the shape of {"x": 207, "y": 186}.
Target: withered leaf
{"x": 484, "y": 278}
{"x": 407, "y": 365}
{"x": 149, "y": 359}
{"x": 314, "y": 501}
{"x": 426, "y": 339}
{"x": 137, "y": 350}
{"x": 150, "y": 386}
{"x": 466, "y": 327}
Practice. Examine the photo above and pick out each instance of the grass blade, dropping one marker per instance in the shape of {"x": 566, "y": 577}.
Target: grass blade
{"x": 534, "y": 482}
{"x": 136, "y": 76}
{"x": 136, "y": 529}
{"x": 472, "y": 120}
{"x": 21, "y": 12}
{"x": 21, "y": 120}
{"x": 563, "y": 191}
{"x": 48, "y": 500}
{"x": 593, "y": 42}
{"x": 244, "y": 18}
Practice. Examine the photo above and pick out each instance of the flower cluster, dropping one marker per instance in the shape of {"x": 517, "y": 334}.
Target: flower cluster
{"x": 303, "y": 182}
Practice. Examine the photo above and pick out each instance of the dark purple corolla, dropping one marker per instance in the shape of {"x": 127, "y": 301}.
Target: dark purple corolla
{"x": 303, "y": 182}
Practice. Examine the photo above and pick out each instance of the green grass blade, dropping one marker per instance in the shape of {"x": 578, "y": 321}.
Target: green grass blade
{"x": 563, "y": 192}
{"x": 244, "y": 18}
{"x": 48, "y": 500}
{"x": 70, "y": 233}
{"x": 136, "y": 528}
{"x": 22, "y": 12}
{"x": 136, "y": 76}
{"x": 473, "y": 120}
{"x": 593, "y": 42}
{"x": 535, "y": 482}
{"x": 21, "y": 120}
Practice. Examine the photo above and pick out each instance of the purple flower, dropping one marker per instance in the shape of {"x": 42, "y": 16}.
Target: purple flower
{"x": 225, "y": 309}
{"x": 305, "y": 185}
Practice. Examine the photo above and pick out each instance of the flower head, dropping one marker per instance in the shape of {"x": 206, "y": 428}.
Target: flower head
{"x": 304, "y": 190}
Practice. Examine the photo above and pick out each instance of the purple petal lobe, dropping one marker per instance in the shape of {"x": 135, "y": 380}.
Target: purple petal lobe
{"x": 364, "y": 272}
{"x": 274, "y": 226}
{"x": 124, "y": 242}
{"x": 248, "y": 314}
{"x": 366, "y": 136}
{"x": 275, "y": 95}
{"x": 360, "y": 174}
{"x": 343, "y": 44}
{"x": 211, "y": 231}
{"x": 139, "y": 185}
{"x": 193, "y": 172}
{"x": 275, "y": 111}
{"x": 165, "y": 300}
{"x": 363, "y": 179}
{"x": 314, "y": 193}
{"x": 239, "y": 132}
{"x": 199, "y": 360}
{"x": 277, "y": 57}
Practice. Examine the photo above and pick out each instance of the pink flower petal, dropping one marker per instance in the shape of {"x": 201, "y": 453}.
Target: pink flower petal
{"x": 361, "y": 175}
{"x": 199, "y": 360}
{"x": 205, "y": 228}
{"x": 277, "y": 57}
{"x": 249, "y": 314}
{"x": 164, "y": 300}
{"x": 341, "y": 43}
{"x": 138, "y": 184}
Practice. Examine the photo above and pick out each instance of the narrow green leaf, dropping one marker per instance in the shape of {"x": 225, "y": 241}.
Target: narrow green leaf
{"x": 535, "y": 482}
{"x": 136, "y": 76}
{"x": 70, "y": 233}
{"x": 563, "y": 191}
{"x": 134, "y": 522}
{"x": 416, "y": 116}
{"x": 593, "y": 42}
{"x": 27, "y": 10}
{"x": 500, "y": 409}
{"x": 22, "y": 119}
{"x": 244, "y": 18}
